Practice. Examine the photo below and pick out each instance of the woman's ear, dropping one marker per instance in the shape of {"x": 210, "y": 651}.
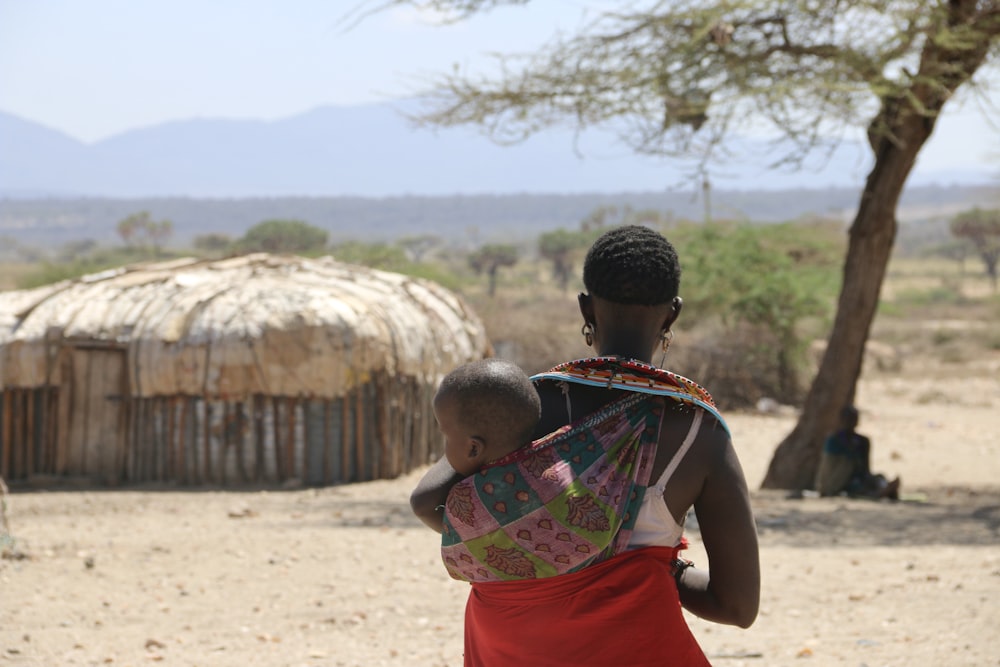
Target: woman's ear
{"x": 672, "y": 313}
{"x": 586, "y": 307}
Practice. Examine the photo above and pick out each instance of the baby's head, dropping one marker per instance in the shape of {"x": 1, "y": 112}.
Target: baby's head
{"x": 485, "y": 409}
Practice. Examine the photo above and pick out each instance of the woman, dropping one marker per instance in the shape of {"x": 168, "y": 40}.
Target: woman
{"x": 572, "y": 548}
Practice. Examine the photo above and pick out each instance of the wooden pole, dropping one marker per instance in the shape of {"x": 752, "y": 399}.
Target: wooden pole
{"x": 290, "y": 444}
{"x": 359, "y": 432}
{"x": 258, "y": 427}
{"x": 184, "y": 476}
{"x": 17, "y": 437}
{"x": 241, "y": 428}
{"x": 327, "y": 441}
{"x": 5, "y": 436}
{"x": 30, "y": 431}
{"x": 207, "y": 438}
{"x": 174, "y": 459}
{"x": 227, "y": 415}
{"x": 195, "y": 431}
{"x": 279, "y": 458}
{"x": 49, "y": 438}
{"x": 345, "y": 435}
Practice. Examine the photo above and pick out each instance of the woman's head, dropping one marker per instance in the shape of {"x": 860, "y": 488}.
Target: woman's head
{"x": 632, "y": 277}
{"x": 632, "y": 265}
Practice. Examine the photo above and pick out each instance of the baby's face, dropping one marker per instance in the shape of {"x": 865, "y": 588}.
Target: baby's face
{"x": 458, "y": 440}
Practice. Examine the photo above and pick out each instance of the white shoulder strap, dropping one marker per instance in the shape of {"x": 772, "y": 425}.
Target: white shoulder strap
{"x": 685, "y": 446}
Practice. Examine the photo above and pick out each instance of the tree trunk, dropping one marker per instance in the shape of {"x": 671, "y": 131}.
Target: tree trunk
{"x": 871, "y": 238}
{"x": 897, "y": 135}
{"x": 492, "y": 273}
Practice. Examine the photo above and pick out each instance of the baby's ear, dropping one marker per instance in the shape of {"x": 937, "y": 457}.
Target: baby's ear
{"x": 476, "y": 450}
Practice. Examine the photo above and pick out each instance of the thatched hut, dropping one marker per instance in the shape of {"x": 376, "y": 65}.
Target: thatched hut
{"x": 252, "y": 369}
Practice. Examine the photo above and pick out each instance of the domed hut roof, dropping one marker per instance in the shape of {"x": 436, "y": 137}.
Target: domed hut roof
{"x": 227, "y": 333}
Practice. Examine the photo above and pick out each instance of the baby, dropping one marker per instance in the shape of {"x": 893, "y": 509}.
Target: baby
{"x": 485, "y": 409}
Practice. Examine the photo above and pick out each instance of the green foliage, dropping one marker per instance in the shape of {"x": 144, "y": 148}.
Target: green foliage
{"x": 48, "y": 273}
{"x": 435, "y": 273}
{"x": 769, "y": 278}
{"x": 376, "y": 255}
{"x": 97, "y": 259}
{"x": 284, "y": 236}
{"x": 212, "y": 243}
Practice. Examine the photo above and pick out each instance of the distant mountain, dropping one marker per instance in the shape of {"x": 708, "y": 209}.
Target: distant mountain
{"x": 461, "y": 219}
{"x": 369, "y": 151}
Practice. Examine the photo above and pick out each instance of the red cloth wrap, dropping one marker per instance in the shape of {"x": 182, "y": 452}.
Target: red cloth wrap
{"x": 623, "y": 611}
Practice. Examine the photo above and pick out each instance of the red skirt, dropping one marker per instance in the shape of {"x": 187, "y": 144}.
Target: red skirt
{"x": 624, "y": 611}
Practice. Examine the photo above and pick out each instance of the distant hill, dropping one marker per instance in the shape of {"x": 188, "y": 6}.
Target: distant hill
{"x": 48, "y": 222}
{"x": 373, "y": 151}
{"x": 364, "y": 173}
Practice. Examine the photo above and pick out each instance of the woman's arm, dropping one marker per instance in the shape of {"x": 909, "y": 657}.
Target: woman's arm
{"x": 729, "y": 591}
{"x": 427, "y": 500}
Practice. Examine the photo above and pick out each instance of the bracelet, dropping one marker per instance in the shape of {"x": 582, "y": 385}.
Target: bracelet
{"x": 679, "y": 565}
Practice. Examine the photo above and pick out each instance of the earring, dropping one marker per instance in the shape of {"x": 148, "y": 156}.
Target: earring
{"x": 588, "y": 333}
{"x": 665, "y": 339}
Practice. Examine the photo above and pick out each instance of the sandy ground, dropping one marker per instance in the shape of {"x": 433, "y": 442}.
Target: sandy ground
{"x": 345, "y": 575}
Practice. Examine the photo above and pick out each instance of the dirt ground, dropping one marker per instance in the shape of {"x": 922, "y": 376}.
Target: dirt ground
{"x": 346, "y": 576}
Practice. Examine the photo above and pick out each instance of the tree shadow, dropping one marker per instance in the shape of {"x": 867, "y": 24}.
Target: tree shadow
{"x": 945, "y": 516}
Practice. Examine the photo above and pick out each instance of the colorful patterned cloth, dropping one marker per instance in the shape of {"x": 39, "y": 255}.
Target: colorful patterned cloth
{"x": 570, "y": 499}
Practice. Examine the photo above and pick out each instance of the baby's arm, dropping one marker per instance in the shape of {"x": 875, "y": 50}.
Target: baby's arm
{"x": 427, "y": 500}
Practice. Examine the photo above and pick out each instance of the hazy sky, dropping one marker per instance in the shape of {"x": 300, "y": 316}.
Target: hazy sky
{"x": 94, "y": 68}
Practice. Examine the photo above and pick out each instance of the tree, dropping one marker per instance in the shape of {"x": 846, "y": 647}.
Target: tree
{"x": 138, "y": 229}
{"x": 489, "y": 259}
{"x": 982, "y": 229}
{"x": 560, "y": 247}
{"x": 128, "y": 226}
{"x": 679, "y": 77}
{"x": 158, "y": 232}
{"x": 291, "y": 236}
{"x": 417, "y": 247}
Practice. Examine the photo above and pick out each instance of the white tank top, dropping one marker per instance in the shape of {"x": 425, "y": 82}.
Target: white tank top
{"x": 655, "y": 526}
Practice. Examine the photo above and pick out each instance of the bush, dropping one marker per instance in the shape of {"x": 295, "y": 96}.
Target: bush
{"x": 284, "y": 236}
{"x": 759, "y": 286}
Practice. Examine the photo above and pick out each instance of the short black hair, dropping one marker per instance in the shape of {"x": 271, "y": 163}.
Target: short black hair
{"x": 632, "y": 265}
{"x": 495, "y": 399}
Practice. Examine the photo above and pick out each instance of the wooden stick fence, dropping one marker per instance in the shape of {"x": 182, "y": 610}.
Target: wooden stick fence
{"x": 378, "y": 430}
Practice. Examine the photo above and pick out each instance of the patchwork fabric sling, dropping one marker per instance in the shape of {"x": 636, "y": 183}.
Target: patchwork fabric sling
{"x": 570, "y": 499}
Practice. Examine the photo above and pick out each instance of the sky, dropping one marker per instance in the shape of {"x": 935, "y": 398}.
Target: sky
{"x": 95, "y": 68}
